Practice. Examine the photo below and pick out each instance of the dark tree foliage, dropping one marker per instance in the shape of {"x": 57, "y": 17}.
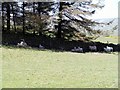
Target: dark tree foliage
{"x": 73, "y": 21}
{"x": 67, "y": 20}
{"x": 9, "y": 15}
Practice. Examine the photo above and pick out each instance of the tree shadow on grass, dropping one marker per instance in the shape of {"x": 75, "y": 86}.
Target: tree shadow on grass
{"x": 53, "y": 44}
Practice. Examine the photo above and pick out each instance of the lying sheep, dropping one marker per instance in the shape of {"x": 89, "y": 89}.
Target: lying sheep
{"x": 79, "y": 49}
{"x": 61, "y": 48}
{"x": 22, "y": 44}
{"x": 74, "y": 49}
{"x": 41, "y": 47}
{"x": 93, "y": 48}
{"x": 108, "y": 49}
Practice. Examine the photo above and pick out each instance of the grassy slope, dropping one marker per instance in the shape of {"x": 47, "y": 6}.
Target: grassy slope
{"x": 33, "y": 68}
{"x": 110, "y": 39}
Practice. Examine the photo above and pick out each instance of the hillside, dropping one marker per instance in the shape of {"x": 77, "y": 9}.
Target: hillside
{"x": 108, "y": 28}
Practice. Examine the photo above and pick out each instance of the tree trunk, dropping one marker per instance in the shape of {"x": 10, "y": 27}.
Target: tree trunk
{"x": 13, "y": 18}
{"x": 3, "y": 17}
{"x": 60, "y": 21}
{"x": 8, "y": 16}
{"x": 23, "y": 17}
{"x": 34, "y": 13}
{"x": 59, "y": 30}
{"x": 39, "y": 11}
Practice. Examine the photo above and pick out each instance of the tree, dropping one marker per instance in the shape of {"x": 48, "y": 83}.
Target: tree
{"x": 23, "y": 8}
{"x": 70, "y": 18}
{"x": 14, "y": 11}
{"x": 3, "y": 21}
{"x": 73, "y": 21}
{"x": 34, "y": 12}
{"x": 60, "y": 20}
{"x": 43, "y": 9}
{"x": 37, "y": 17}
{"x": 8, "y": 16}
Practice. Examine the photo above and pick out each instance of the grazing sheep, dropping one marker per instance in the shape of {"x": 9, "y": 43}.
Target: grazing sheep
{"x": 93, "y": 48}
{"x": 22, "y": 43}
{"x": 108, "y": 49}
{"x": 79, "y": 49}
{"x": 41, "y": 47}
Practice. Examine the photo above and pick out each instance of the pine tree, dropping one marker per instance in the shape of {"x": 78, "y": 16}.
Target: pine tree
{"x": 73, "y": 21}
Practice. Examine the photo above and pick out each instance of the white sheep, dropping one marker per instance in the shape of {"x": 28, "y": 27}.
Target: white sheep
{"x": 41, "y": 47}
{"x": 93, "y": 48}
{"x": 74, "y": 49}
{"x": 22, "y": 44}
{"x": 108, "y": 49}
{"x": 79, "y": 49}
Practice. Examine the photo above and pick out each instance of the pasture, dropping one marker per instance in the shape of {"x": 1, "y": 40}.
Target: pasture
{"x": 110, "y": 39}
{"x": 32, "y": 68}
{"x": 0, "y": 67}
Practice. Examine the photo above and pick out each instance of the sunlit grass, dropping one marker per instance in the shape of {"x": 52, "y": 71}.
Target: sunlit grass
{"x": 40, "y": 69}
{"x": 0, "y": 67}
{"x": 110, "y": 39}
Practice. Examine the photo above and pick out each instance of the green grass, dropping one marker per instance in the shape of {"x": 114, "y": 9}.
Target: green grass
{"x": 0, "y": 67}
{"x": 24, "y": 68}
{"x": 110, "y": 39}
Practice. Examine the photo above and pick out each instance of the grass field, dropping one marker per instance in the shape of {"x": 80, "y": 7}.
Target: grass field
{"x": 46, "y": 69}
{"x": 0, "y": 67}
{"x": 110, "y": 39}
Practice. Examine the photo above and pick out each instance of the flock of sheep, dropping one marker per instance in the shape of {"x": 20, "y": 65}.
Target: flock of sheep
{"x": 92, "y": 48}
{"x": 75, "y": 49}
{"x": 24, "y": 44}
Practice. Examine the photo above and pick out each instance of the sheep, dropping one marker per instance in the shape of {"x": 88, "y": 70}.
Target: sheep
{"x": 22, "y": 43}
{"x": 108, "y": 49}
{"x": 74, "y": 49}
{"x": 93, "y": 48}
{"x": 79, "y": 49}
{"x": 61, "y": 48}
{"x": 41, "y": 47}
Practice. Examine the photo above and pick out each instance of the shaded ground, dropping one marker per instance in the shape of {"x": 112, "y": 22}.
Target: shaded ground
{"x": 52, "y": 43}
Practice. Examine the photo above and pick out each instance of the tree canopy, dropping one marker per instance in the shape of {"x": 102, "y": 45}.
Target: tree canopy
{"x": 68, "y": 20}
